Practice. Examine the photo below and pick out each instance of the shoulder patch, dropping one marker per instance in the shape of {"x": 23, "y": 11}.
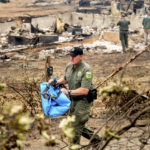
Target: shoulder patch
{"x": 79, "y": 73}
{"x": 88, "y": 75}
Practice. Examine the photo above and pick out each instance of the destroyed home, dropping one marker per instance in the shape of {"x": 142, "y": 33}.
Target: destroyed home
{"x": 36, "y": 37}
{"x": 89, "y": 18}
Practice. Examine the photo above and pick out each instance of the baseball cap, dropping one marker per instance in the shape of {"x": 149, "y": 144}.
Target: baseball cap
{"x": 76, "y": 51}
{"x": 123, "y": 15}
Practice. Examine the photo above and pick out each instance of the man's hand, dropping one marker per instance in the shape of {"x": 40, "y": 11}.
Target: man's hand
{"x": 50, "y": 80}
{"x": 64, "y": 91}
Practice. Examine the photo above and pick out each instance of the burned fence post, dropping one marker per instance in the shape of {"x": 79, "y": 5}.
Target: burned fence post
{"x": 48, "y": 68}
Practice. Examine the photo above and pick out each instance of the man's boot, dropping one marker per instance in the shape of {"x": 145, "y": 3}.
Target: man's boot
{"x": 95, "y": 142}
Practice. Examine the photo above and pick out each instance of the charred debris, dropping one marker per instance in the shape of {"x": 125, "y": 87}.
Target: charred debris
{"x": 26, "y": 32}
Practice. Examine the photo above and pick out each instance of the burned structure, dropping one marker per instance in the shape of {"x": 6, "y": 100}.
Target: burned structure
{"x": 89, "y": 18}
{"x": 4, "y": 1}
{"x": 131, "y": 6}
{"x": 24, "y": 33}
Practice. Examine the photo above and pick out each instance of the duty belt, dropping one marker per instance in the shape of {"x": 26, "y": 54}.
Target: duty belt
{"x": 80, "y": 97}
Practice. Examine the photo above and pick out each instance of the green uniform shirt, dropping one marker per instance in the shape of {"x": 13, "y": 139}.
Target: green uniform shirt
{"x": 146, "y": 22}
{"x": 124, "y": 25}
{"x": 78, "y": 76}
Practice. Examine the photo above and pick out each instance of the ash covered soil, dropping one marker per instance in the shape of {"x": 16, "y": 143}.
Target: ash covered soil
{"x": 136, "y": 74}
{"x": 103, "y": 64}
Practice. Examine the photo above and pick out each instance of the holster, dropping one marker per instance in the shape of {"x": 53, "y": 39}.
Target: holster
{"x": 92, "y": 95}
{"x": 76, "y": 98}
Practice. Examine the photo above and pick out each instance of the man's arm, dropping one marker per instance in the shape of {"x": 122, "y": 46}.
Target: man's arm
{"x": 76, "y": 92}
{"x": 143, "y": 21}
{"x": 61, "y": 81}
{"x": 118, "y": 23}
{"x": 80, "y": 91}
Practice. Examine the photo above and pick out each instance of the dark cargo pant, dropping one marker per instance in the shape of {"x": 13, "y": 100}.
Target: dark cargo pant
{"x": 124, "y": 40}
{"x": 146, "y": 33}
{"x": 81, "y": 110}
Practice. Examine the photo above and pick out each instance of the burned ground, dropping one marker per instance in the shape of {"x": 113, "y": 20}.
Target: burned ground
{"x": 135, "y": 74}
{"x": 17, "y": 73}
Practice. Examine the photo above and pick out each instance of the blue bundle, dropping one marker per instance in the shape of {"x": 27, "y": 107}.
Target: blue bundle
{"x": 55, "y": 103}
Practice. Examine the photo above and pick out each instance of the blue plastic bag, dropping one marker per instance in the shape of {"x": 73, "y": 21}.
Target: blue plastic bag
{"x": 58, "y": 103}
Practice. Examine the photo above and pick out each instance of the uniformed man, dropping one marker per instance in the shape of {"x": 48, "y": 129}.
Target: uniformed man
{"x": 78, "y": 76}
{"x": 146, "y": 26}
{"x": 124, "y": 26}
